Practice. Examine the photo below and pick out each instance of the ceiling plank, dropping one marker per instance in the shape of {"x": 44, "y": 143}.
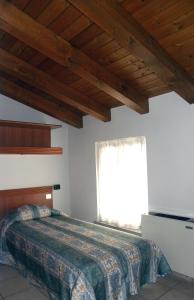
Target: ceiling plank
{"x": 52, "y": 11}
{"x": 20, "y": 94}
{"x": 17, "y": 23}
{"x": 122, "y": 27}
{"x": 41, "y": 80}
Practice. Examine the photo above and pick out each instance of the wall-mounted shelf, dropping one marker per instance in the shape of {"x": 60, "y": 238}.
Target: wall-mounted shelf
{"x": 26, "y": 138}
{"x": 30, "y": 150}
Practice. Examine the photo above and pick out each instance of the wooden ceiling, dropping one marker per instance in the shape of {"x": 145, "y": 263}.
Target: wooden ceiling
{"x": 78, "y": 57}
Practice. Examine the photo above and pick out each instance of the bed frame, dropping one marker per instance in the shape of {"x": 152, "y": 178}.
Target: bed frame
{"x": 12, "y": 199}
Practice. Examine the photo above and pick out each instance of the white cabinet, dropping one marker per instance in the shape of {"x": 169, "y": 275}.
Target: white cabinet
{"x": 175, "y": 238}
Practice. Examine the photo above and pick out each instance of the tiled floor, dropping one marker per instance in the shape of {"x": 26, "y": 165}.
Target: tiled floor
{"x": 15, "y": 287}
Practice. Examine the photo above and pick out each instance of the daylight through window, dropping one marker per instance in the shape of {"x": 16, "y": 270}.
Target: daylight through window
{"x": 122, "y": 192}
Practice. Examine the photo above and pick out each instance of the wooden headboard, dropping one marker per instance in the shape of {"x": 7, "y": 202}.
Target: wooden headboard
{"x": 11, "y": 199}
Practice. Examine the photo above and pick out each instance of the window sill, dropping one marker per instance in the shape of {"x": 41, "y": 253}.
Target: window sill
{"x": 132, "y": 231}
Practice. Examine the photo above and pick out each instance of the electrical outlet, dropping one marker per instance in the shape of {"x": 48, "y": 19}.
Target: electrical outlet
{"x": 56, "y": 187}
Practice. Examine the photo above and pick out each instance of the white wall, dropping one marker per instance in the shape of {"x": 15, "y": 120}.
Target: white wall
{"x": 17, "y": 171}
{"x": 169, "y": 131}
{"x": 168, "y": 128}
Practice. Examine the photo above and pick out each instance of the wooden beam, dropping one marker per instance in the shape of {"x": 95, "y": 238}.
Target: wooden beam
{"x": 17, "y": 23}
{"x": 39, "y": 79}
{"x": 122, "y": 27}
{"x": 14, "y": 91}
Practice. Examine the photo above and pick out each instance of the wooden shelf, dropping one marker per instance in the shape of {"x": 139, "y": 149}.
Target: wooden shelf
{"x": 17, "y": 124}
{"x": 27, "y": 138}
{"x": 31, "y": 150}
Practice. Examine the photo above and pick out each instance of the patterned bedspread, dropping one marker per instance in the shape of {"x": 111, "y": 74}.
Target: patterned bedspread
{"x": 78, "y": 260}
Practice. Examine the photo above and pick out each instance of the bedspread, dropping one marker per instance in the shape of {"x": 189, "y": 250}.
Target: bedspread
{"x": 79, "y": 260}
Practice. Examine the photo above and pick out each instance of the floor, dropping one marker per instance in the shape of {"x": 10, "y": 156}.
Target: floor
{"x": 15, "y": 287}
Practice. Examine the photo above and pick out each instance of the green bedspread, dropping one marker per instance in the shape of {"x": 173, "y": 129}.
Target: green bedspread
{"x": 78, "y": 260}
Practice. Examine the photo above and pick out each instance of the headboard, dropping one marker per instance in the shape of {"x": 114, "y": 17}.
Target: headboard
{"x": 11, "y": 199}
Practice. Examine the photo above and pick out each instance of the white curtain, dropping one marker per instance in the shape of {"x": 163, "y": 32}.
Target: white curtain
{"x": 122, "y": 193}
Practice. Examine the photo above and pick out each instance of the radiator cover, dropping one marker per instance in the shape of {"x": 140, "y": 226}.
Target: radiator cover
{"x": 175, "y": 238}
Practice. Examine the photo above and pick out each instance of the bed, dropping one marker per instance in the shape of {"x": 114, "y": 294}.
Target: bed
{"x": 73, "y": 259}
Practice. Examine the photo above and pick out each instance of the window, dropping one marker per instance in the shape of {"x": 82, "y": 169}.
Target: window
{"x": 122, "y": 193}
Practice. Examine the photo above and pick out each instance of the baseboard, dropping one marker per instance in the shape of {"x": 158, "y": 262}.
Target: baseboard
{"x": 188, "y": 278}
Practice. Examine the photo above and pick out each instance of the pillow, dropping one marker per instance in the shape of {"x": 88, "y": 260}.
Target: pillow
{"x": 43, "y": 211}
{"x": 24, "y": 213}
{"x": 28, "y": 212}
